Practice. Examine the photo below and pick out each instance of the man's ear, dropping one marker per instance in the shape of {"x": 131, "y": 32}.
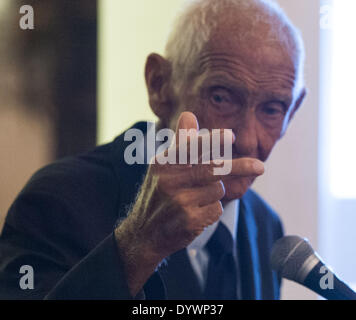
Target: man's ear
{"x": 158, "y": 73}
{"x": 297, "y": 104}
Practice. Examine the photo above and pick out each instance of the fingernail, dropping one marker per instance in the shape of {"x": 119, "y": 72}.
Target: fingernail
{"x": 259, "y": 167}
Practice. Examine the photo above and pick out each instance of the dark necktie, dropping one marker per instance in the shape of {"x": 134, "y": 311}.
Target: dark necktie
{"x": 222, "y": 278}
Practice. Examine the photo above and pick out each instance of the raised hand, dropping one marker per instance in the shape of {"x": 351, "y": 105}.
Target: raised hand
{"x": 174, "y": 206}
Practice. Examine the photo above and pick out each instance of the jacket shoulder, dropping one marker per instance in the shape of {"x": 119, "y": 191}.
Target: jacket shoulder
{"x": 77, "y": 177}
{"x": 69, "y": 198}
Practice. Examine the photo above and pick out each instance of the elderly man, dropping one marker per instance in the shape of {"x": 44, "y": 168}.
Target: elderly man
{"x": 90, "y": 228}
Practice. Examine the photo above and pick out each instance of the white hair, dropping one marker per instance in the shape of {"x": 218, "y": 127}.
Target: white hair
{"x": 194, "y": 25}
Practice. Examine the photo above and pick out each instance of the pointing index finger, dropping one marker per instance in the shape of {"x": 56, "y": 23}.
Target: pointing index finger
{"x": 242, "y": 167}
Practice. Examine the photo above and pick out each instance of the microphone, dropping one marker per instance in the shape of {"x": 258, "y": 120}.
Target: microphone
{"x": 294, "y": 259}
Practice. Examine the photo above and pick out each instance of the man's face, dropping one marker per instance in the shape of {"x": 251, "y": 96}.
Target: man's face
{"x": 250, "y": 89}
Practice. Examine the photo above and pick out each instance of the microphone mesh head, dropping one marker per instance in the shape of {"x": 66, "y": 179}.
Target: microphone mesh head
{"x": 288, "y": 256}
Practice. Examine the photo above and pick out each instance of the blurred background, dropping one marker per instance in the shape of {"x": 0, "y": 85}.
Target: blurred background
{"x": 76, "y": 80}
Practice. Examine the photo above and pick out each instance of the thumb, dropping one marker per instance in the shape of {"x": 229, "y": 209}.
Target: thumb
{"x": 187, "y": 120}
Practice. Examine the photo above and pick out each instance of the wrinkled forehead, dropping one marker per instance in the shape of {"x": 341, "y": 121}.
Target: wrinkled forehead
{"x": 261, "y": 42}
{"x": 253, "y": 52}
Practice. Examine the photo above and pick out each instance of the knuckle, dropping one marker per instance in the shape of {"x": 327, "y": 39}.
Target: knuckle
{"x": 189, "y": 214}
{"x": 214, "y": 213}
{"x": 215, "y": 210}
{"x": 219, "y": 209}
{"x": 181, "y": 198}
{"x": 192, "y": 223}
{"x": 219, "y": 189}
{"x": 245, "y": 165}
{"x": 251, "y": 165}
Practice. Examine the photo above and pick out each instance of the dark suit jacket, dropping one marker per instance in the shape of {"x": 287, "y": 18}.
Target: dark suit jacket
{"x": 62, "y": 225}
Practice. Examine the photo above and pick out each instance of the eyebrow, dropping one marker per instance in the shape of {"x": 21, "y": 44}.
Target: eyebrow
{"x": 283, "y": 97}
{"x": 232, "y": 85}
{"x": 237, "y": 86}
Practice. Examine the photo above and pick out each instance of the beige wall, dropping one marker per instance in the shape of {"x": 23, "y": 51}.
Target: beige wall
{"x": 130, "y": 30}
{"x": 25, "y": 133}
{"x": 25, "y": 144}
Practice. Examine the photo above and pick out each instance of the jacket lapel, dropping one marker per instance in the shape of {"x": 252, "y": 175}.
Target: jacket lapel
{"x": 248, "y": 253}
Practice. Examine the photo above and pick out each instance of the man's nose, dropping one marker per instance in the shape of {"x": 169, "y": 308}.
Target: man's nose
{"x": 246, "y": 144}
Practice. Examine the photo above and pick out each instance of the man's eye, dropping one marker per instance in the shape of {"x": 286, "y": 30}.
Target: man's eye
{"x": 221, "y": 99}
{"x": 274, "y": 109}
{"x": 217, "y": 98}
